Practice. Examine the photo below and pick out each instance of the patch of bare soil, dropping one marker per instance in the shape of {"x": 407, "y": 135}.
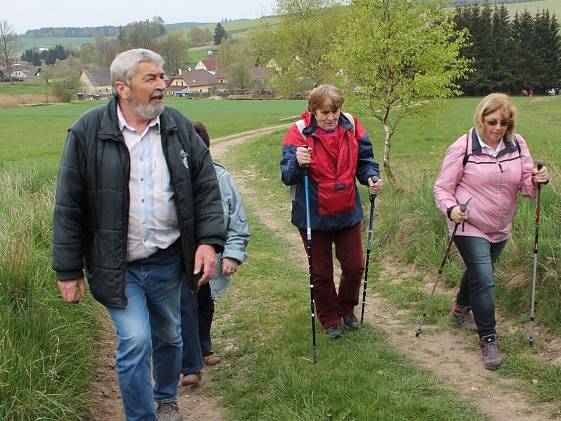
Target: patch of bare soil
{"x": 452, "y": 356}
{"x": 104, "y": 396}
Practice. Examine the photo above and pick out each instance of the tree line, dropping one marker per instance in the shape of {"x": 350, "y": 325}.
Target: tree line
{"x": 49, "y": 56}
{"x": 69, "y": 32}
{"x": 510, "y": 54}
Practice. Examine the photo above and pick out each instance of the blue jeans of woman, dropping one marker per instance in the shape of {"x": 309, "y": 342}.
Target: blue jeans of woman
{"x": 478, "y": 282}
{"x": 148, "y": 333}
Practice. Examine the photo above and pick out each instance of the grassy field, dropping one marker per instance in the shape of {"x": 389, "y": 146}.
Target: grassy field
{"x": 268, "y": 374}
{"x": 410, "y": 228}
{"x": 26, "y": 87}
{"x": 554, "y": 6}
{"x": 51, "y": 42}
{"x": 45, "y": 127}
{"x": 44, "y": 343}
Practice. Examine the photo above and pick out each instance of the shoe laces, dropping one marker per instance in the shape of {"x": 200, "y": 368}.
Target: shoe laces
{"x": 490, "y": 348}
{"x": 168, "y": 407}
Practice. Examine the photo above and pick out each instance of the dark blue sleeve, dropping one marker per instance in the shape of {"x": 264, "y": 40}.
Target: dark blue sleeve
{"x": 367, "y": 166}
{"x": 291, "y": 172}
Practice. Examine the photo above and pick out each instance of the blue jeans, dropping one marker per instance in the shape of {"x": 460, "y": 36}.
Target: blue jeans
{"x": 191, "y": 359}
{"x": 476, "y": 287}
{"x": 148, "y": 333}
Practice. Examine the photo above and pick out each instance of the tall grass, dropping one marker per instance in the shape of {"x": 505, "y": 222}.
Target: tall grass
{"x": 409, "y": 226}
{"x": 268, "y": 374}
{"x": 45, "y": 345}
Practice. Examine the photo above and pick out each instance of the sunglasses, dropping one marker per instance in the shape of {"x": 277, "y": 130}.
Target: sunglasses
{"x": 493, "y": 122}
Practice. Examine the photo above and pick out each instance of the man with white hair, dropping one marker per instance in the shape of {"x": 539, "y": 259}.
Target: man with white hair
{"x": 138, "y": 206}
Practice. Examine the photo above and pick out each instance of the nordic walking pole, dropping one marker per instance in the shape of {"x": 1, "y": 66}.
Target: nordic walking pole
{"x": 539, "y": 165}
{"x": 423, "y": 318}
{"x": 368, "y": 248}
{"x": 309, "y": 250}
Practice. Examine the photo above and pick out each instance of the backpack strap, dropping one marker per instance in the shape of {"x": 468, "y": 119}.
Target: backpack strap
{"x": 352, "y": 120}
{"x": 466, "y": 155}
{"x": 301, "y": 125}
{"x": 517, "y": 144}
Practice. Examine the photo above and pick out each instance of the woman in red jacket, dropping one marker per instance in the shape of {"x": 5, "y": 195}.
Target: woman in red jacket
{"x": 487, "y": 166}
{"x": 335, "y": 149}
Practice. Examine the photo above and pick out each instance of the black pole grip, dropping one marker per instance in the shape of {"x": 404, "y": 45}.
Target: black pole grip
{"x": 373, "y": 196}
{"x": 540, "y": 164}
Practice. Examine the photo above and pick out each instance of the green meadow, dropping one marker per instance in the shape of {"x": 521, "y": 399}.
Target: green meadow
{"x": 410, "y": 228}
{"x": 52, "y": 42}
{"x": 554, "y": 6}
{"x": 46, "y": 345}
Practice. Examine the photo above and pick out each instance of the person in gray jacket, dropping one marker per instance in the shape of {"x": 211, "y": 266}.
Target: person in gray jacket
{"x": 138, "y": 207}
{"x": 196, "y": 323}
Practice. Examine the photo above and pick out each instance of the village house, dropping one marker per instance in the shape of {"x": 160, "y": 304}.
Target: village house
{"x": 96, "y": 82}
{"x": 210, "y": 64}
{"x": 260, "y": 77}
{"x": 19, "y": 74}
{"x": 197, "y": 81}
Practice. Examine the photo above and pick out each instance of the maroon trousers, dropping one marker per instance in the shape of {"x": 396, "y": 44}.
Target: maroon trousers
{"x": 330, "y": 305}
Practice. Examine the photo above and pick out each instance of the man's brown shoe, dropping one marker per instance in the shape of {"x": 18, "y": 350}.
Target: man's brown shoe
{"x": 190, "y": 380}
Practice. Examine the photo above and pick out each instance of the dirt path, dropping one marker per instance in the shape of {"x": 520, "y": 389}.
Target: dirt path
{"x": 451, "y": 356}
{"x": 104, "y": 396}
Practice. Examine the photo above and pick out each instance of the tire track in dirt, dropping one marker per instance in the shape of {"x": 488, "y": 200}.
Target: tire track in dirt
{"x": 449, "y": 355}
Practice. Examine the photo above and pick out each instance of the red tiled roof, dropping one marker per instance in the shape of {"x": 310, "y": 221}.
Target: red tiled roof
{"x": 210, "y": 63}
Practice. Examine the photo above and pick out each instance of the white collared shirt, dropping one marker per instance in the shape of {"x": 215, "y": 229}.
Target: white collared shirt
{"x": 489, "y": 150}
{"x": 152, "y": 215}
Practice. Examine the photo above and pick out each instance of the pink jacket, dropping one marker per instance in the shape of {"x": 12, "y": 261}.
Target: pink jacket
{"x": 492, "y": 183}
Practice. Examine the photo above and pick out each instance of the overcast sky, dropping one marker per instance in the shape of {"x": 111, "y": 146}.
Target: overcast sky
{"x": 34, "y": 14}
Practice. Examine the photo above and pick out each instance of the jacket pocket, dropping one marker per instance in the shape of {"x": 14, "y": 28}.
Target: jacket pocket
{"x": 336, "y": 196}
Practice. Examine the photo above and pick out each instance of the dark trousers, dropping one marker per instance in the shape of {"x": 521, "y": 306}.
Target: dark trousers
{"x": 478, "y": 282}
{"x": 205, "y": 313}
{"x": 330, "y": 304}
{"x": 196, "y": 320}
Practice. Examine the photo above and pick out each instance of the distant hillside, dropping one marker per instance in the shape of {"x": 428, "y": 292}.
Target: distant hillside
{"x": 170, "y": 27}
{"x": 72, "y": 32}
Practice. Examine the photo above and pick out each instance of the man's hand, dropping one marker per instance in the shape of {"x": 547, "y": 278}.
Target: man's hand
{"x": 375, "y": 187}
{"x": 205, "y": 261}
{"x": 72, "y": 291}
{"x": 229, "y": 266}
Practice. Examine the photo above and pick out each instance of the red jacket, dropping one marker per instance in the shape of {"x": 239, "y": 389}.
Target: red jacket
{"x": 335, "y": 162}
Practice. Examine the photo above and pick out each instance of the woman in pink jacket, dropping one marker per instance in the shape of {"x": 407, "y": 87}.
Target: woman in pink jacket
{"x": 486, "y": 167}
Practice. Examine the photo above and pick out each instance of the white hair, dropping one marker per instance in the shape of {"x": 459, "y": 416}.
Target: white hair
{"x": 124, "y": 65}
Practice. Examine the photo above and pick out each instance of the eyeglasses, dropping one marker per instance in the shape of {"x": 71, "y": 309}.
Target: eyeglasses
{"x": 493, "y": 122}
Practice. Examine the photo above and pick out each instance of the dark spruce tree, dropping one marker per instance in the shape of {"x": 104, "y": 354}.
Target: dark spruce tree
{"x": 219, "y": 34}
